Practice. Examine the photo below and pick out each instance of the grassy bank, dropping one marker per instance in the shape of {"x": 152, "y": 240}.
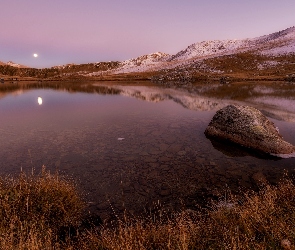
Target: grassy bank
{"x": 44, "y": 211}
{"x": 36, "y": 210}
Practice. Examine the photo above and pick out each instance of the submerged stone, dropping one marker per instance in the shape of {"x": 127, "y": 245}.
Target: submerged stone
{"x": 248, "y": 127}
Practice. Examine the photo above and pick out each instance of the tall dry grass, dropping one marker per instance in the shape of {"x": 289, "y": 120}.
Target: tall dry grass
{"x": 37, "y": 211}
{"x": 264, "y": 220}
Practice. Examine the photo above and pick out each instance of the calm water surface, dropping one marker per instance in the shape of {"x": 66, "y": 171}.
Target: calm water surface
{"x": 141, "y": 145}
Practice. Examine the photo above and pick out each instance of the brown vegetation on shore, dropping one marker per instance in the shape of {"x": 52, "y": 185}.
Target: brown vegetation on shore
{"x": 35, "y": 210}
{"x": 264, "y": 220}
{"x": 40, "y": 212}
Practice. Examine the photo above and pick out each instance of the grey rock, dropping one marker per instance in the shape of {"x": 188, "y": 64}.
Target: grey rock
{"x": 248, "y": 127}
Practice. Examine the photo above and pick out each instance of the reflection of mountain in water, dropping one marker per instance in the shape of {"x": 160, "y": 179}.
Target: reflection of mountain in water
{"x": 184, "y": 98}
{"x": 195, "y": 101}
{"x": 278, "y": 108}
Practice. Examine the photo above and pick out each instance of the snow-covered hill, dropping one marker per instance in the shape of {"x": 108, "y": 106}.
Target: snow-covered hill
{"x": 277, "y": 43}
{"x": 143, "y": 63}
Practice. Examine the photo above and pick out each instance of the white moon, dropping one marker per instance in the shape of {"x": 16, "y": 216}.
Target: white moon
{"x": 40, "y": 101}
{"x": 35, "y": 55}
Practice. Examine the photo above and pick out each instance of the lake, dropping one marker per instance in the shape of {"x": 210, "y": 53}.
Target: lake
{"x": 135, "y": 146}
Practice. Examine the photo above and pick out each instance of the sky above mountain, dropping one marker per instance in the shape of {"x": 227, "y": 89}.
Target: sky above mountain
{"x": 75, "y": 31}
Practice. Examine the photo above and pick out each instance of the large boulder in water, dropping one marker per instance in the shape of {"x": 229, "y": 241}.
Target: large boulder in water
{"x": 248, "y": 127}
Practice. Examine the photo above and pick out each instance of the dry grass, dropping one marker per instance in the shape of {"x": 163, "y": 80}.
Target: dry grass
{"x": 263, "y": 220}
{"x": 34, "y": 210}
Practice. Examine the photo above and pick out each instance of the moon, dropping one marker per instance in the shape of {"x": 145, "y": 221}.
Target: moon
{"x": 35, "y": 55}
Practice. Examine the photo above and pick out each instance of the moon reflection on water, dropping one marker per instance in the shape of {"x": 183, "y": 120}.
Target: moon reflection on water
{"x": 40, "y": 101}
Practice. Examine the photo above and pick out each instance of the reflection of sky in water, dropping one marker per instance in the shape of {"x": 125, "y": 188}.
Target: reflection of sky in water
{"x": 56, "y": 107}
{"x": 164, "y": 143}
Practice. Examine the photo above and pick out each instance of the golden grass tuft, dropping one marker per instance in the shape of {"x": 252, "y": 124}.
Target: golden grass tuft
{"x": 34, "y": 209}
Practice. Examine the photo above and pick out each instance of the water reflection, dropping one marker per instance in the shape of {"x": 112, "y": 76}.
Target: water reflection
{"x": 8, "y": 88}
{"x": 192, "y": 101}
{"x": 40, "y": 101}
{"x": 231, "y": 149}
{"x": 275, "y": 100}
{"x": 129, "y": 146}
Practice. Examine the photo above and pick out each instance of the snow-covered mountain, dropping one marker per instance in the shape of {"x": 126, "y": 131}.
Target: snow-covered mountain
{"x": 277, "y": 43}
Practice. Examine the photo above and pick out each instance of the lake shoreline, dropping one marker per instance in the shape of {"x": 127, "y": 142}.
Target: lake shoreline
{"x": 139, "y": 78}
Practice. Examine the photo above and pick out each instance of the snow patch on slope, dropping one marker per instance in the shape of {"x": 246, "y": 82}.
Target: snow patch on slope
{"x": 10, "y": 63}
{"x": 285, "y": 49}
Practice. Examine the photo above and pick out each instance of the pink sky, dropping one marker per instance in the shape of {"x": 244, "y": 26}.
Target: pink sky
{"x": 75, "y": 31}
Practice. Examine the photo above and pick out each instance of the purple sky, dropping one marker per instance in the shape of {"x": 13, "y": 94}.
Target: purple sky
{"x": 76, "y": 31}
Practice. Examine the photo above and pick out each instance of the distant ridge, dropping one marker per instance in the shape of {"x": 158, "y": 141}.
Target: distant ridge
{"x": 206, "y": 57}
